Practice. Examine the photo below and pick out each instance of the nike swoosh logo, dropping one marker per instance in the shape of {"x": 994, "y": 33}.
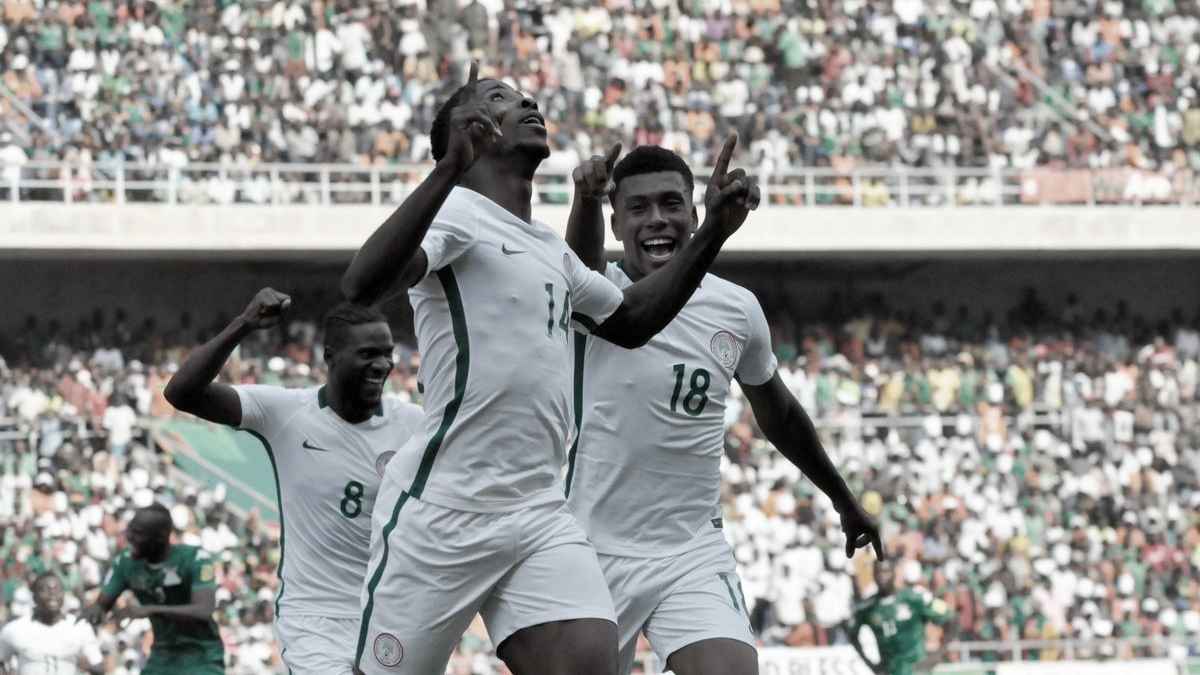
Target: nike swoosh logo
{"x": 506, "y": 251}
{"x": 309, "y": 446}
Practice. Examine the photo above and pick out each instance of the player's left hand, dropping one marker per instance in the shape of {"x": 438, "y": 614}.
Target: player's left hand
{"x": 859, "y": 529}
{"x": 593, "y": 178}
{"x": 730, "y": 195}
{"x": 129, "y": 612}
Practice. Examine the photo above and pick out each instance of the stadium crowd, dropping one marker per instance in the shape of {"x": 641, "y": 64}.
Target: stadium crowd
{"x": 1040, "y": 473}
{"x": 915, "y": 83}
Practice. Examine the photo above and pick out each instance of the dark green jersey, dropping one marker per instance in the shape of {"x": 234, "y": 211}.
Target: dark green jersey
{"x": 171, "y": 582}
{"x": 898, "y": 623}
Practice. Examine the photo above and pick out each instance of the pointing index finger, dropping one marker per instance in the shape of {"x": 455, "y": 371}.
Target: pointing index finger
{"x": 611, "y": 159}
{"x": 473, "y": 75}
{"x": 722, "y": 164}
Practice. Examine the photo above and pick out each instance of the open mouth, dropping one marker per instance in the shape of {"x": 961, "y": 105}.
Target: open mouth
{"x": 534, "y": 120}
{"x": 375, "y": 380}
{"x": 659, "y": 249}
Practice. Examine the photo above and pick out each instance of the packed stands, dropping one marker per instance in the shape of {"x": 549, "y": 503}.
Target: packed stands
{"x": 1039, "y": 473}
{"x": 1065, "y": 84}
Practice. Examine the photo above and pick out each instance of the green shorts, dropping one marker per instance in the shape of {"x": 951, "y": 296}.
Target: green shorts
{"x": 185, "y": 662}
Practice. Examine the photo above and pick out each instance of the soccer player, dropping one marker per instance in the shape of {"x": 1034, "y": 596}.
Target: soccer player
{"x": 897, "y": 619}
{"x": 644, "y": 476}
{"x": 48, "y": 641}
{"x": 328, "y": 446}
{"x": 472, "y": 517}
{"x": 175, "y": 589}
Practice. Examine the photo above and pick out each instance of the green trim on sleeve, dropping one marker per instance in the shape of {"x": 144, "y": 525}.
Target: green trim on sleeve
{"x": 585, "y": 321}
{"x": 282, "y": 525}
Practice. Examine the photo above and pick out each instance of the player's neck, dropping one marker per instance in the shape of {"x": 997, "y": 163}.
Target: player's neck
{"x": 511, "y": 187}
{"x": 632, "y": 271}
{"x": 344, "y": 407}
{"x": 47, "y": 618}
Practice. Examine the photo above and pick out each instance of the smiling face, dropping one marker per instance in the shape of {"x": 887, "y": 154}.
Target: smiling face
{"x": 653, "y": 217}
{"x": 361, "y": 363}
{"x": 517, "y": 115}
{"x": 48, "y": 596}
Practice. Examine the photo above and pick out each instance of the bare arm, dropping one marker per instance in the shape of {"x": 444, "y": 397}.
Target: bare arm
{"x": 652, "y": 302}
{"x": 855, "y": 627}
{"x": 789, "y": 428}
{"x": 201, "y": 608}
{"x": 585, "y": 226}
{"x": 393, "y": 251}
{"x": 96, "y": 612}
{"x": 192, "y": 388}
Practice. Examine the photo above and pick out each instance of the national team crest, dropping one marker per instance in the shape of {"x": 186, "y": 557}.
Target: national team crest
{"x": 725, "y": 347}
{"x": 388, "y": 650}
{"x": 382, "y": 460}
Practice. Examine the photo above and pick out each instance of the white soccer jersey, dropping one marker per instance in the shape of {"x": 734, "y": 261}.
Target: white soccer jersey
{"x": 494, "y": 319}
{"x": 644, "y": 477}
{"x": 327, "y": 473}
{"x": 49, "y": 650}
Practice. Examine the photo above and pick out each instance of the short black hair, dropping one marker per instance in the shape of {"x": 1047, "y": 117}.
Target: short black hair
{"x": 160, "y": 511}
{"x": 347, "y": 314}
{"x": 439, "y": 132}
{"x": 651, "y": 159}
{"x": 37, "y": 581}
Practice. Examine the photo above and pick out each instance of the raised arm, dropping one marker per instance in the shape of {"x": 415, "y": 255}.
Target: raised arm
{"x": 393, "y": 251}
{"x": 192, "y": 389}
{"x": 786, "y": 424}
{"x": 651, "y": 303}
{"x": 585, "y": 226}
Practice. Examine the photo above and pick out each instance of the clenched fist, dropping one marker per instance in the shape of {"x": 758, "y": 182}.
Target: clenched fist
{"x": 266, "y": 309}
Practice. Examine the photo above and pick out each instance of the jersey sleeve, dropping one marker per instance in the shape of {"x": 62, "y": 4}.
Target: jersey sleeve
{"x": 201, "y": 571}
{"x": 593, "y": 297}
{"x": 757, "y": 364}
{"x": 453, "y": 232}
{"x": 115, "y": 580}
{"x": 261, "y": 403}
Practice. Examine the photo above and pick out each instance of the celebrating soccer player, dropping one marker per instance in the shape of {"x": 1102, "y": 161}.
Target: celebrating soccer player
{"x": 644, "y": 476}
{"x": 175, "y": 588}
{"x": 47, "y": 641}
{"x": 328, "y": 446}
{"x": 474, "y": 519}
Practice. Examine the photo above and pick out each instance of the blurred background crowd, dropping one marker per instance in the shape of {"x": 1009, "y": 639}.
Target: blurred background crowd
{"x": 1039, "y": 471}
{"x": 915, "y": 83}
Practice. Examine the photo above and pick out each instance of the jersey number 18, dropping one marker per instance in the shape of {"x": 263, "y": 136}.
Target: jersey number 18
{"x": 697, "y": 396}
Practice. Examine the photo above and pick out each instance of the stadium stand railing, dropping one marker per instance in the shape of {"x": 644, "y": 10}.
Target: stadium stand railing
{"x": 333, "y": 184}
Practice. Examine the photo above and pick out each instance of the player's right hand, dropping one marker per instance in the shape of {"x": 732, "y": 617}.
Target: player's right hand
{"x": 471, "y": 128}
{"x": 593, "y": 178}
{"x": 265, "y": 310}
{"x": 731, "y": 195}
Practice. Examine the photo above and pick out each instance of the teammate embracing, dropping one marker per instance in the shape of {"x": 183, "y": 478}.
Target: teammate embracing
{"x": 473, "y": 519}
{"x": 644, "y": 475}
{"x": 328, "y": 446}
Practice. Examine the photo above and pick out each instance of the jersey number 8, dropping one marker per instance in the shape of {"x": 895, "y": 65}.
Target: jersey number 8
{"x": 352, "y": 499}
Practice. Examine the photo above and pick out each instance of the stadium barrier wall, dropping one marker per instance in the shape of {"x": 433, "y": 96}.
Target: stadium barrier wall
{"x": 134, "y": 228}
